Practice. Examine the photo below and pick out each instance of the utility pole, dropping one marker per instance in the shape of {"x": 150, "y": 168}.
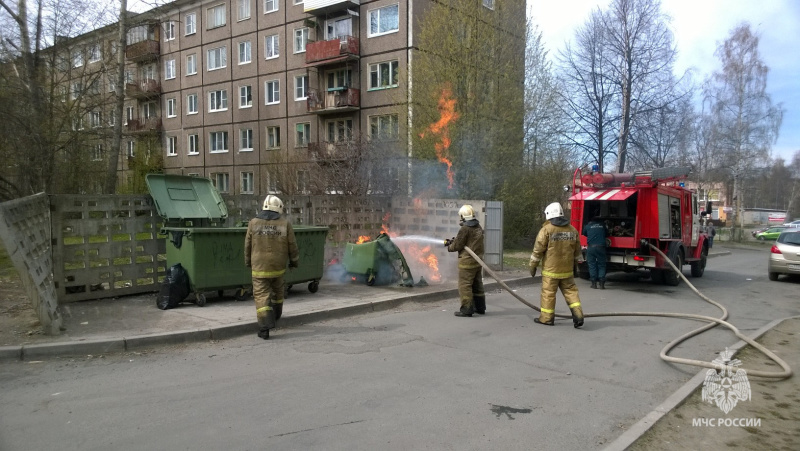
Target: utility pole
{"x": 116, "y": 146}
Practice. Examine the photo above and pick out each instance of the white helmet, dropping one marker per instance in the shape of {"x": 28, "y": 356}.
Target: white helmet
{"x": 272, "y": 203}
{"x": 466, "y": 212}
{"x": 553, "y": 210}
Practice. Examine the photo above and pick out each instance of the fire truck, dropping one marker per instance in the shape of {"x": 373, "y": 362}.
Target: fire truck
{"x": 641, "y": 209}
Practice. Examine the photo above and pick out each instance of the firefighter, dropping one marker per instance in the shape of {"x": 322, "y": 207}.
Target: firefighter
{"x": 470, "y": 280}
{"x": 557, "y": 248}
{"x": 268, "y": 244}
{"x": 596, "y": 232}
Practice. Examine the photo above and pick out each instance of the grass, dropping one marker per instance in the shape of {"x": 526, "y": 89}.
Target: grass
{"x": 6, "y": 266}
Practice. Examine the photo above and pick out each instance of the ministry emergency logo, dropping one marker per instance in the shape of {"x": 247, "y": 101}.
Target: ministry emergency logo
{"x": 729, "y": 385}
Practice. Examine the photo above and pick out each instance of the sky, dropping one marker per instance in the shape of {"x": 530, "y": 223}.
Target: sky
{"x": 699, "y": 26}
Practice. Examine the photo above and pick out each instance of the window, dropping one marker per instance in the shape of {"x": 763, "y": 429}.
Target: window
{"x": 169, "y": 69}
{"x": 245, "y": 96}
{"x": 340, "y": 130}
{"x": 339, "y": 28}
{"x": 216, "y": 16}
{"x": 191, "y": 104}
{"x": 302, "y": 181}
{"x": 217, "y": 100}
{"x": 97, "y": 152}
{"x": 131, "y": 148}
{"x": 112, "y": 83}
{"x": 172, "y": 146}
{"x": 140, "y": 33}
{"x": 191, "y": 23}
{"x": 76, "y": 90}
{"x": 270, "y": 6}
{"x": 271, "y": 44}
{"x": 298, "y": 2}
{"x": 172, "y": 110}
{"x": 384, "y": 20}
{"x": 112, "y": 118}
{"x": 169, "y": 31}
{"x": 488, "y": 3}
{"x": 77, "y": 59}
{"x": 217, "y": 58}
{"x": 128, "y": 114}
{"x": 193, "y": 144}
{"x": 272, "y": 184}
{"x": 218, "y": 141}
{"x": 273, "y": 137}
{"x": 94, "y": 53}
{"x": 246, "y": 186}
{"x": 94, "y": 119}
{"x": 128, "y": 76}
{"x": 383, "y": 127}
{"x": 272, "y": 94}
{"x": 149, "y": 110}
{"x": 191, "y": 64}
{"x": 303, "y": 130}
{"x": 339, "y": 79}
{"x": 245, "y": 139}
{"x": 301, "y": 87}
{"x": 220, "y": 180}
{"x": 300, "y": 40}
{"x": 94, "y": 87}
{"x": 244, "y": 9}
{"x": 244, "y": 52}
{"x": 383, "y": 75}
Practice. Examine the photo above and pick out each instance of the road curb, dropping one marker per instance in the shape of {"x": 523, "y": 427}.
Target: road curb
{"x": 235, "y": 330}
{"x": 636, "y": 431}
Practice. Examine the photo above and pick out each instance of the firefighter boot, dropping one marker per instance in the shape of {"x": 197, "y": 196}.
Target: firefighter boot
{"x": 602, "y": 284}
{"x": 277, "y": 307}
{"x": 479, "y": 301}
{"x": 546, "y": 323}
{"x": 594, "y": 284}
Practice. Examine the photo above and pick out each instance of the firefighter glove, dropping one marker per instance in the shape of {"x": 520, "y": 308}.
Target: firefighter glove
{"x": 294, "y": 264}
{"x": 533, "y": 271}
{"x": 448, "y": 242}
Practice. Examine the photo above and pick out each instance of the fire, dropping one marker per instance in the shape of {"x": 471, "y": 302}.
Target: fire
{"x": 362, "y": 239}
{"x": 447, "y": 114}
{"x": 425, "y": 257}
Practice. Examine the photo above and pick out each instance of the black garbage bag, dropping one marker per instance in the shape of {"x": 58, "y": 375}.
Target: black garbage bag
{"x": 174, "y": 289}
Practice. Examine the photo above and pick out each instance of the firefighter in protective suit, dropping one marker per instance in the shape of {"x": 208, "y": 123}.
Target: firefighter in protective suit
{"x": 268, "y": 245}
{"x": 557, "y": 248}
{"x": 470, "y": 280}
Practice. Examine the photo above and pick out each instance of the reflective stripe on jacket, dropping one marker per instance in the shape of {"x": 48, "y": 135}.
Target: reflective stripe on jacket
{"x": 557, "y": 248}
{"x": 469, "y": 235}
{"x": 268, "y": 246}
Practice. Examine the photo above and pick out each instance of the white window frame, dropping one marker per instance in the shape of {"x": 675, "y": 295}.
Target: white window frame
{"x": 273, "y": 137}
{"x": 244, "y": 9}
{"x": 221, "y": 181}
{"x": 302, "y": 141}
{"x": 192, "y": 107}
{"x": 216, "y": 139}
{"x": 94, "y": 53}
{"x": 245, "y": 140}
{"x": 169, "y": 30}
{"x": 216, "y": 16}
{"x": 301, "y": 87}
{"x": 172, "y": 110}
{"x": 375, "y": 69}
{"x": 300, "y": 40}
{"x": 97, "y": 152}
{"x": 191, "y": 64}
{"x": 172, "y": 146}
{"x": 245, "y": 96}
{"x": 272, "y": 88}
{"x": 339, "y": 130}
{"x": 217, "y": 100}
{"x": 219, "y": 58}
{"x": 76, "y": 89}
{"x": 270, "y": 6}
{"x": 272, "y": 46}
{"x": 128, "y": 114}
{"x": 378, "y": 118}
{"x": 245, "y": 52}
{"x": 95, "y": 119}
{"x": 169, "y": 69}
{"x": 246, "y": 184}
{"x": 376, "y": 13}
{"x": 298, "y": 2}
{"x": 131, "y": 146}
{"x": 191, "y": 24}
{"x": 193, "y": 144}
{"x": 77, "y": 59}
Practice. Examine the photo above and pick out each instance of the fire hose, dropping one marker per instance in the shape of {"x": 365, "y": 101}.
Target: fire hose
{"x": 713, "y": 322}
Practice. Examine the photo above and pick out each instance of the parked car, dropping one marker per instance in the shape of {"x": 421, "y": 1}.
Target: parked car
{"x": 793, "y": 224}
{"x": 784, "y": 256}
{"x": 758, "y": 230}
{"x": 771, "y": 233}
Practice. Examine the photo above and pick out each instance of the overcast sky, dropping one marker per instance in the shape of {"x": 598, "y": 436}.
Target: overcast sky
{"x": 699, "y": 26}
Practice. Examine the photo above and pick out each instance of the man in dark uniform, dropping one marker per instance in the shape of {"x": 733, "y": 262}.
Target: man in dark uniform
{"x": 596, "y": 232}
{"x": 470, "y": 280}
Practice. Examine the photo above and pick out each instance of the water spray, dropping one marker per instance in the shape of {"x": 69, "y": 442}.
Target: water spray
{"x": 713, "y": 322}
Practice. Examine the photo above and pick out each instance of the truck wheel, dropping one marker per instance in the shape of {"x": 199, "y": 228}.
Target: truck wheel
{"x": 671, "y": 278}
{"x": 699, "y": 267}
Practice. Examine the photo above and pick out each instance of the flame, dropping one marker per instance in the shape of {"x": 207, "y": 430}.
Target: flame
{"x": 362, "y": 239}
{"x": 447, "y": 114}
{"x": 385, "y": 223}
{"x": 426, "y": 258}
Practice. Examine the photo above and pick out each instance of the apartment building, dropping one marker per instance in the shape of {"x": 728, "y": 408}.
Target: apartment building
{"x": 261, "y": 96}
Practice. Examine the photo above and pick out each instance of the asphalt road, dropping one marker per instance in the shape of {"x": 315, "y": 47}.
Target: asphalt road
{"x": 412, "y": 378}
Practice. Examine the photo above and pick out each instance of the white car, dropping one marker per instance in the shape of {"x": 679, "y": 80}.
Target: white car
{"x": 784, "y": 256}
{"x": 793, "y": 224}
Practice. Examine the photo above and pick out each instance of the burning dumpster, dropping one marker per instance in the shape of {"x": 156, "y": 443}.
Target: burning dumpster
{"x": 377, "y": 261}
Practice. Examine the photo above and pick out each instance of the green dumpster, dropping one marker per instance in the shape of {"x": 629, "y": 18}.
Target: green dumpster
{"x": 311, "y": 244}
{"x": 377, "y": 261}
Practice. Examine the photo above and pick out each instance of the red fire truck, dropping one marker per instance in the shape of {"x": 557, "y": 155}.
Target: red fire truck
{"x": 642, "y": 209}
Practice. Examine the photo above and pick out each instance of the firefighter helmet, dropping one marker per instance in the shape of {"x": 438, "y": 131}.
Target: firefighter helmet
{"x": 553, "y": 210}
{"x": 466, "y": 212}
{"x": 273, "y": 203}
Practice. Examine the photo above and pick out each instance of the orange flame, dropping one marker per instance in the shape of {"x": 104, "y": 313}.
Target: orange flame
{"x": 447, "y": 114}
{"x": 385, "y": 223}
{"x": 362, "y": 239}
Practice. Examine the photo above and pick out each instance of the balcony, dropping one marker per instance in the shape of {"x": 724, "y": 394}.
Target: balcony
{"x": 137, "y": 126}
{"x": 328, "y": 102}
{"x": 146, "y": 50}
{"x": 143, "y": 89}
{"x": 332, "y": 51}
{"x": 322, "y": 7}
{"x": 331, "y": 152}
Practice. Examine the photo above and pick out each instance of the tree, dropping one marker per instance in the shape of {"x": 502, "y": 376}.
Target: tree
{"x": 745, "y": 123}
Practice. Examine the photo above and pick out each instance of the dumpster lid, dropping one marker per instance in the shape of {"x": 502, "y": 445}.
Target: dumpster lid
{"x": 179, "y": 197}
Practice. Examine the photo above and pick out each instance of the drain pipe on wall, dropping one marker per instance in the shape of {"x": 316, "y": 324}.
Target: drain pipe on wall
{"x": 712, "y": 322}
